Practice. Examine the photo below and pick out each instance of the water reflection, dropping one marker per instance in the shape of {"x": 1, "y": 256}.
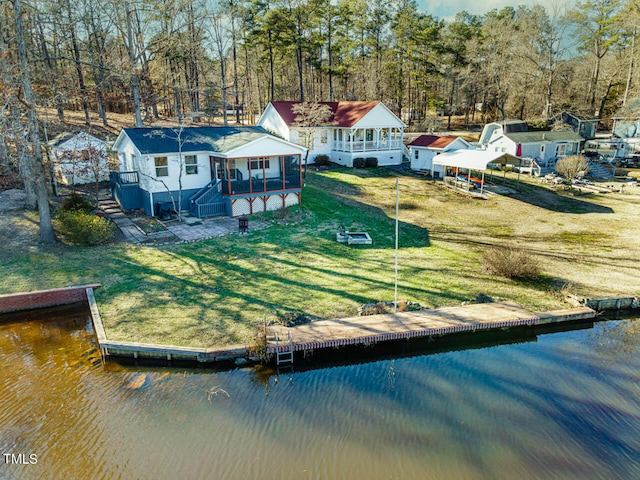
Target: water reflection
{"x": 564, "y": 406}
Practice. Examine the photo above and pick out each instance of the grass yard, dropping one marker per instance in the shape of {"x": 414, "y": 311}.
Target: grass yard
{"x": 216, "y": 292}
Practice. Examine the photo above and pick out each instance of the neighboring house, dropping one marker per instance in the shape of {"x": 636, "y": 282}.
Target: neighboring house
{"x": 424, "y": 148}
{"x": 626, "y": 121}
{"x": 78, "y": 158}
{"x": 354, "y": 130}
{"x": 585, "y": 127}
{"x": 223, "y": 170}
{"x": 545, "y": 147}
{"x": 625, "y": 137}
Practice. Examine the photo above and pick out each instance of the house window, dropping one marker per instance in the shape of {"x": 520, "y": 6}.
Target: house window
{"x": 562, "y": 150}
{"x": 323, "y": 137}
{"x": 259, "y": 164}
{"x": 162, "y": 166}
{"x": 191, "y": 164}
{"x": 416, "y": 154}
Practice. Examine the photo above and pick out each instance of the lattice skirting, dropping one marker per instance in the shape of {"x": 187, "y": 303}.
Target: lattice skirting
{"x": 247, "y": 206}
{"x": 291, "y": 199}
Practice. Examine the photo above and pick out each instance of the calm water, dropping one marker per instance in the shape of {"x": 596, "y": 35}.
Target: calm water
{"x": 564, "y": 406}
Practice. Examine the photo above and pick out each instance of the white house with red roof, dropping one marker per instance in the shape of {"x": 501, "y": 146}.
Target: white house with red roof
{"x": 426, "y": 147}
{"x": 354, "y": 130}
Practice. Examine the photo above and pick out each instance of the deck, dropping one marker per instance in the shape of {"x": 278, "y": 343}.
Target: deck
{"x": 402, "y": 325}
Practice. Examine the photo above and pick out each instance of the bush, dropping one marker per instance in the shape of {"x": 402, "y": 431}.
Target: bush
{"x": 81, "y": 228}
{"x": 371, "y": 162}
{"x": 76, "y": 203}
{"x": 321, "y": 160}
{"x": 537, "y": 125}
{"x": 358, "y": 162}
{"x": 511, "y": 262}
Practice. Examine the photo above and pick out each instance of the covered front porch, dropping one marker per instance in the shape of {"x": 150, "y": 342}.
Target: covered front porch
{"x": 367, "y": 139}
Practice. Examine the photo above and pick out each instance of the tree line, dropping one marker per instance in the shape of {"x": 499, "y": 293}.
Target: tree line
{"x": 228, "y": 58}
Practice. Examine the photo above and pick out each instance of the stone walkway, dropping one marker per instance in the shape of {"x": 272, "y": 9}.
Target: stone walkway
{"x": 191, "y": 229}
{"x": 198, "y": 229}
{"x": 129, "y": 229}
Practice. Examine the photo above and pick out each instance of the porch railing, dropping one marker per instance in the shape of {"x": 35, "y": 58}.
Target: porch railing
{"x": 208, "y": 202}
{"x": 368, "y": 146}
{"x": 259, "y": 185}
{"x": 208, "y": 192}
{"x": 124, "y": 178}
{"x": 210, "y": 209}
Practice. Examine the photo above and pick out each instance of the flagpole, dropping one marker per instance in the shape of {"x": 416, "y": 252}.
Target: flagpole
{"x": 395, "y": 294}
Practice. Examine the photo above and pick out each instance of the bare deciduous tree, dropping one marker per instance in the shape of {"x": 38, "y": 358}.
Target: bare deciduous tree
{"x": 572, "y": 166}
{"x": 47, "y": 234}
{"x": 311, "y": 117}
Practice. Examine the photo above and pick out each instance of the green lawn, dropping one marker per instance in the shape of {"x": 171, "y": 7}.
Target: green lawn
{"x": 216, "y": 292}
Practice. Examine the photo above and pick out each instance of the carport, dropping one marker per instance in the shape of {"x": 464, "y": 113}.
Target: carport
{"x": 475, "y": 160}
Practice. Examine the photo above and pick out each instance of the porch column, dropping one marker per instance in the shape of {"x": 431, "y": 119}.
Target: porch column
{"x": 228, "y": 170}
{"x": 264, "y": 173}
{"x": 378, "y": 130}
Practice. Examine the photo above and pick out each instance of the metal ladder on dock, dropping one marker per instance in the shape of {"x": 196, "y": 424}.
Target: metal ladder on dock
{"x": 285, "y": 356}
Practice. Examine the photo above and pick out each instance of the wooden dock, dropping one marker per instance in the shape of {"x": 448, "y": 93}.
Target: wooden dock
{"x": 406, "y": 325}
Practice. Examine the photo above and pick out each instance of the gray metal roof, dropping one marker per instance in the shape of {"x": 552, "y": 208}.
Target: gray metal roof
{"x": 552, "y": 136}
{"x": 160, "y": 140}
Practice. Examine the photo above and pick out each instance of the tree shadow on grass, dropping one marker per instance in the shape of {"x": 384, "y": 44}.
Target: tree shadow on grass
{"x": 557, "y": 201}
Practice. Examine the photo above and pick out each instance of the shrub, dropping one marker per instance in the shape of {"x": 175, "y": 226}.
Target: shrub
{"x": 572, "y": 166}
{"x": 358, "y": 162}
{"x": 258, "y": 345}
{"x": 321, "y": 160}
{"x": 291, "y": 319}
{"x": 81, "y": 228}
{"x": 511, "y": 262}
{"x": 76, "y": 203}
{"x": 371, "y": 162}
{"x": 537, "y": 125}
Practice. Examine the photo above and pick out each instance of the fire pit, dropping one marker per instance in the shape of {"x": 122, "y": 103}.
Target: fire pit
{"x": 354, "y": 238}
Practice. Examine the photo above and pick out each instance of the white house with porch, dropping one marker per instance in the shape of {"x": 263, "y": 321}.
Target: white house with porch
{"x": 426, "y": 147}
{"x": 206, "y": 170}
{"x": 544, "y": 147}
{"x": 354, "y": 130}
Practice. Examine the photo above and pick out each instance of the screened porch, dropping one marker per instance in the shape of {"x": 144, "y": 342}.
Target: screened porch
{"x": 241, "y": 176}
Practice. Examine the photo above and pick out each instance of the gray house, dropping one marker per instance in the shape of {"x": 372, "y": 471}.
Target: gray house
{"x": 626, "y": 121}
{"x": 585, "y": 127}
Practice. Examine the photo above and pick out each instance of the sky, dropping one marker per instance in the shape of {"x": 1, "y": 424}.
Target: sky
{"x": 447, "y": 9}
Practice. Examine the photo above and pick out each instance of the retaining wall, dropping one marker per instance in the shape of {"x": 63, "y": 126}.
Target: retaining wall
{"x": 16, "y": 302}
